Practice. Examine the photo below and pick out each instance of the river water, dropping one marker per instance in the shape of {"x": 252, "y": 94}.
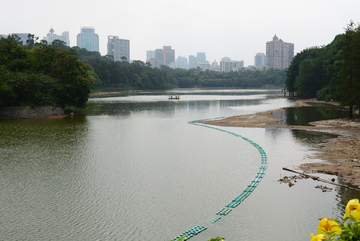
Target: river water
{"x": 133, "y": 168}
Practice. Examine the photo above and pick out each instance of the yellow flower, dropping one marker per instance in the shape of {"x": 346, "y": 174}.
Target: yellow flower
{"x": 356, "y": 213}
{"x": 318, "y": 237}
{"x": 328, "y": 226}
{"x": 353, "y": 208}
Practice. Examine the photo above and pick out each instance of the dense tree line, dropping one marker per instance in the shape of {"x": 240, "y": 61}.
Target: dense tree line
{"x": 116, "y": 75}
{"x": 313, "y": 71}
{"x": 38, "y": 74}
{"x": 330, "y": 72}
{"x": 139, "y": 75}
{"x": 242, "y": 79}
{"x": 349, "y": 75}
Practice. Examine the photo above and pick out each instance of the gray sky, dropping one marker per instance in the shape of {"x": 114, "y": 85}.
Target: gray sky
{"x": 234, "y": 28}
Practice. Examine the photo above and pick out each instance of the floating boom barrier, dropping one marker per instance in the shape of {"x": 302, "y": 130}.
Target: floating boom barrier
{"x": 190, "y": 233}
{"x": 242, "y": 196}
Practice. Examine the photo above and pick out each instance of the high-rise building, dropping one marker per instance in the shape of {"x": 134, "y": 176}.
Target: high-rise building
{"x": 215, "y": 66}
{"x": 202, "y": 64}
{"x": 118, "y": 48}
{"x": 88, "y": 39}
{"x": 278, "y": 54}
{"x": 260, "y": 59}
{"x": 159, "y": 56}
{"x": 154, "y": 62}
{"x": 169, "y": 55}
{"x": 182, "y": 63}
{"x": 164, "y": 56}
{"x": 229, "y": 65}
{"x": 50, "y": 37}
{"x": 201, "y": 56}
{"x": 150, "y": 54}
{"x": 23, "y": 37}
{"x": 191, "y": 60}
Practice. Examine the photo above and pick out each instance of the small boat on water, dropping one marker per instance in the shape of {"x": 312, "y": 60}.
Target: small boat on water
{"x": 174, "y": 97}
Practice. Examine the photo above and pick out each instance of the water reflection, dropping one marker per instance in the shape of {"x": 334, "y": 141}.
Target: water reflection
{"x": 119, "y": 107}
{"x": 303, "y": 115}
{"x": 312, "y": 137}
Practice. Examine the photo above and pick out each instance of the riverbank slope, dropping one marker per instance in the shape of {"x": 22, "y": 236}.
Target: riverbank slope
{"x": 341, "y": 155}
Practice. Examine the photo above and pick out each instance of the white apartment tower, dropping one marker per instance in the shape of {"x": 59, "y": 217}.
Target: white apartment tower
{"x": 229, "y": 65}
{"x": 278, "y": 54}
{"x": 118, "y": 48}
{"x": 202, "y": 64}
{"x": 50, "y": 37}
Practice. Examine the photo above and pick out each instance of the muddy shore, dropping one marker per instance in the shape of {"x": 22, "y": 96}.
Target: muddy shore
{"x": 341, "y": 155}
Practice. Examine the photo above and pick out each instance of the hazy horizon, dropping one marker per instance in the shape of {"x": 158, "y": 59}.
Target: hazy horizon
{"x": 235, "y": 29}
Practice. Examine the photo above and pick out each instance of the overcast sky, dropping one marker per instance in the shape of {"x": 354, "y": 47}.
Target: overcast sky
{"x": 233, "y": 28}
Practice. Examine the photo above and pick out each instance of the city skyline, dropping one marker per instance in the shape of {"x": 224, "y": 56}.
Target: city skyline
{"x": 205, "y": 29}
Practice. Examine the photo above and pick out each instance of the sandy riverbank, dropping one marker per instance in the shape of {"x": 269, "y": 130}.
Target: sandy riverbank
{"x": 341, "y": 155}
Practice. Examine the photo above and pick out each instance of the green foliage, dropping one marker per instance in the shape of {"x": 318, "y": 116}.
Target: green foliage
{"x": 350, "y": 229}
{"x": 118, "y": 74}
{"x": 33, "y": 89}
{"x": 182, "y": 238}
{"x": 293, "y": 70}
{"x": 71, "y": 74}
{"x": 349, "y": 75}
{"x": 7, "y": 94}
{"x": 324, "y": 94}
{"x": 331, "y": 72}
{"x": 93, "y": 77}
{"x": 217, "y": 239}
{"x": 42, "y": 75}
{"x": 315, "y": 68}
{"x": 255, "y": 79}
{"x": 59, "y": 44}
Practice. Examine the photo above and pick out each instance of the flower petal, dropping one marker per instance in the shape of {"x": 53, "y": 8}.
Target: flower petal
{"x": 356, "y": 213}
{"x": 350, "y": 204}
{"x": 318, "y": 237}
{"x": 336, "y": 229}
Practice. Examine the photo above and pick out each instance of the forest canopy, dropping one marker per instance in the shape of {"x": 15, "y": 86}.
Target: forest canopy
{"x": 38, "y": 74}
{"x": 329, "y": 72}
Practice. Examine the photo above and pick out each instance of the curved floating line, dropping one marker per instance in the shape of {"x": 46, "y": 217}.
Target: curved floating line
{"x": 237, "y": 200}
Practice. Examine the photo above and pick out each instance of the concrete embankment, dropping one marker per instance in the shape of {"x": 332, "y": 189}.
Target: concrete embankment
{"x": 29, "y": 112}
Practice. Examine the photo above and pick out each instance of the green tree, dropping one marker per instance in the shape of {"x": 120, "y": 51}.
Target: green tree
{"x": 34, "y": 89}
{"x": 30, "y": 42}
{"x": 93, "y": 77}
{"x": 7, "y": 95}
{"x": 59, "y": 44}
{"x": 349, "y": 75}
{"x": 310, "y": 77}
{"x": 136, "y": 80}
{"x": 294, "y": 68}
{"x": 70, "y": 73}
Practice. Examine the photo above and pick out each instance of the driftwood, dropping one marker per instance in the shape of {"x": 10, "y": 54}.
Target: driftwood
{"x": 321, "y": 179}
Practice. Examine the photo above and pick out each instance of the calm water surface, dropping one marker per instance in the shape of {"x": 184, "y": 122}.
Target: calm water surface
{"x": 303, "y": 115}
{"x": 132, "y": 168}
